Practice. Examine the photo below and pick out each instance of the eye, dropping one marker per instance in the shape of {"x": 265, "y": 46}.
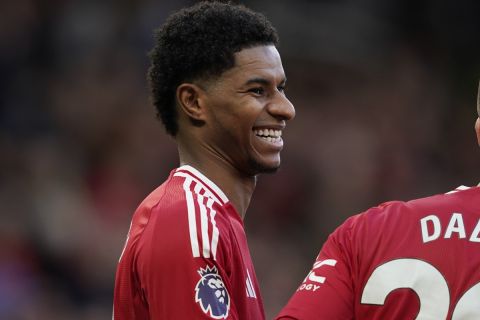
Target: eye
{"x": 281, "y": 88}
{"x": 258, "y": 90}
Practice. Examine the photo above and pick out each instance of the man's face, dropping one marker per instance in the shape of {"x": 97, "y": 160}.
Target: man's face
{"x": 248, "y": 111}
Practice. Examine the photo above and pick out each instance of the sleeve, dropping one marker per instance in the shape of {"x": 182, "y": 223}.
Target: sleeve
{"x": 182, "y": 267}
{"x": 327, "y": 291}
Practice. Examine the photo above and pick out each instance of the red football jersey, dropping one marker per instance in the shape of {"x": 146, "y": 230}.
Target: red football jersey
{"x": 400, "y": 260}
{"x": 186, "y": 256}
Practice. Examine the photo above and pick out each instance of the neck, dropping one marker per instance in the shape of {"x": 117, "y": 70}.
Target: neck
{"x": 236, "y": 186}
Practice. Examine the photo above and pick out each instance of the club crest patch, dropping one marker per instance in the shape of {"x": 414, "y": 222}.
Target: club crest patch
{"x": 211, "y": 294}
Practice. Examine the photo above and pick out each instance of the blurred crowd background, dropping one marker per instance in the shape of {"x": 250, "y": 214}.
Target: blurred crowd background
{"x": 385, "y": 96}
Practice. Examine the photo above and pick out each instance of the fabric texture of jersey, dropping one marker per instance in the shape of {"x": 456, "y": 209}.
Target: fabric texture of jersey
{"x": 400, "y": 260}
{"x": 186, "y": 256}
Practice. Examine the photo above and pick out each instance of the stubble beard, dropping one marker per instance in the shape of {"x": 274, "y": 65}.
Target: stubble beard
{"x": 258, "y": 167}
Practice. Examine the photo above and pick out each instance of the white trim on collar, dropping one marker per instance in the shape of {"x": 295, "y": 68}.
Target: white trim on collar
{"x": 209, "y": 183}
{"x": 460, "y": 188}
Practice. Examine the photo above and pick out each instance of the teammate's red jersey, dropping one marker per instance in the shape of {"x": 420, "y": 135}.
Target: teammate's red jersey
{"x": 186, "y": 256}
{"x": 400, "y": 260}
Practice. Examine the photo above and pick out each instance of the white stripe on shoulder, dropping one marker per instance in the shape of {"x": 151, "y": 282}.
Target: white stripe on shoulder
{"x": 460, "y": 188}
{"x": 192, "y": 220}
{"x": 250, "y": 288}
{"x": 204, "y": 180}
{"x": 203, "y": 224}
{"x": 206, "y": 215}
{"x": 215, "y": 232}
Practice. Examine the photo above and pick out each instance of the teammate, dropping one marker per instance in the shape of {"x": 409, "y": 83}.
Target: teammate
{"x": 218, "y": 85}
{"x": 401, "y": 260}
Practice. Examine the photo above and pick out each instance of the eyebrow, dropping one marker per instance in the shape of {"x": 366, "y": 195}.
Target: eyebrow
{"x": 263, "y": 81}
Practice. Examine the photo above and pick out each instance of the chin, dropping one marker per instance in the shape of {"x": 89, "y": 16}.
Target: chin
{"x": 264, "y": 167}
{"x": 270, "y": 170}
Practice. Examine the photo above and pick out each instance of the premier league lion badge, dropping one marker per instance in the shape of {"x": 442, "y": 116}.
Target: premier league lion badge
{"x": 211, "y": 294}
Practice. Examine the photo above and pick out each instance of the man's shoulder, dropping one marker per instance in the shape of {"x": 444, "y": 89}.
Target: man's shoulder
{"x": 461, "y": 197}
{"x": 396, "y": 217}
{"x": 391, "y": 209}
{"x": 184, "y": 207}
{"x": 181, "y": 192}
{"x": 163, "y": 206}
{"x": 169, "y": 194}
{"x": 379, "y": 214}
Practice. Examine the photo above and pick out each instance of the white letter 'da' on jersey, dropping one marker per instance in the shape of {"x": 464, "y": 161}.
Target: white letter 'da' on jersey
{"x": 420, "y": 276}
{"x": 313, "y": 277}
{"x": 455, "y": 225}
{"x": 436, "y": 228}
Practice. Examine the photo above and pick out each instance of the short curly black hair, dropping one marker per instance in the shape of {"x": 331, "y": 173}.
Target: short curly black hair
{"x": 199, "y": 42}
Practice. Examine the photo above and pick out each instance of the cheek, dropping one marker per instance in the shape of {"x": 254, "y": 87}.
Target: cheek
{"x": 235, "y": 119}
{"x": 231, "y": 133}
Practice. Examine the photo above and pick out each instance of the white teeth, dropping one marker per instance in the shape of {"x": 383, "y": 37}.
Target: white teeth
{"x": 270, "y": 135}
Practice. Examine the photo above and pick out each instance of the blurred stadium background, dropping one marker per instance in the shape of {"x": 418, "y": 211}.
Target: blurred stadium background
{"x": 385, "y": 98}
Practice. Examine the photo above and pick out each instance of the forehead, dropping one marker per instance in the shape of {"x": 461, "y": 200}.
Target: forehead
{"x": 260, "y": 61}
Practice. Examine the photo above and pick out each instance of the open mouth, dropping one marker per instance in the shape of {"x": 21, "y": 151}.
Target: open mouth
{"x": 270, "y": 135}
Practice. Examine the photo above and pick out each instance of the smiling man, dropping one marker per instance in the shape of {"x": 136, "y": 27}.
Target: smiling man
{"x": 218, "y": 86}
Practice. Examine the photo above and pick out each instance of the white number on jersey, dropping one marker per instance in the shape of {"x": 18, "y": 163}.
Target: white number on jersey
{"x": 427, "y": 282}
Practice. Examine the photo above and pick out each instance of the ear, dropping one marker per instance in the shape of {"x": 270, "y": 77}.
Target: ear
{"x": 190, "y": 100}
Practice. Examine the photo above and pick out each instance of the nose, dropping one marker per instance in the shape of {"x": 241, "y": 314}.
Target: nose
{"x": 281, "y": 108}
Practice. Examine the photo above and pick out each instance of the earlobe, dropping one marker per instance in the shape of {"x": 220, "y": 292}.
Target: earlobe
{"x": 189, "y": 100}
